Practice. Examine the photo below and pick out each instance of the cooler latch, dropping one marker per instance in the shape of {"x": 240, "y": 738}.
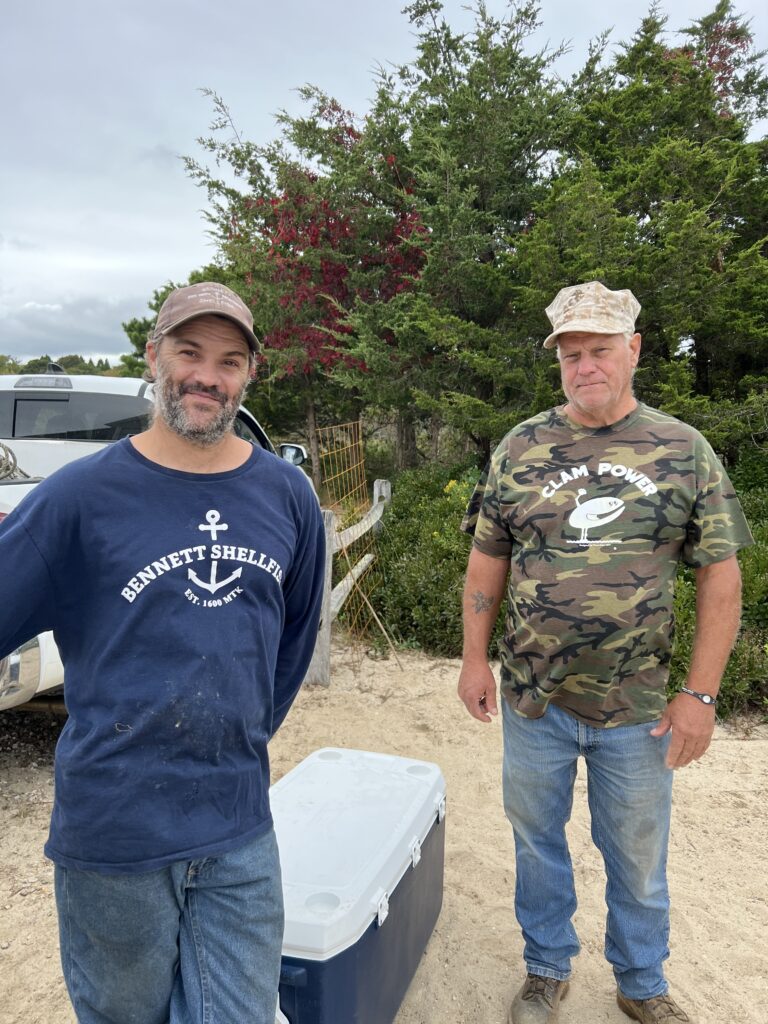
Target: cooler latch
{"x": 381, "y": 903}
{"x": 415, "y": 852}
{"x": 441, "y": 808}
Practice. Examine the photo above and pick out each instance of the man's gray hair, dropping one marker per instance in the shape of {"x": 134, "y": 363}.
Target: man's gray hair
{"x": 623, "y": 334}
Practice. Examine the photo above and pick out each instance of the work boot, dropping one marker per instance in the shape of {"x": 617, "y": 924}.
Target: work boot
{"x": 659, "y": 1010}
{"x": 538, "y": 1001}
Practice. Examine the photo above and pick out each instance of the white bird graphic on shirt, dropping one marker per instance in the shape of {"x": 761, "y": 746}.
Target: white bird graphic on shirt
{"x": 595, "y": 512}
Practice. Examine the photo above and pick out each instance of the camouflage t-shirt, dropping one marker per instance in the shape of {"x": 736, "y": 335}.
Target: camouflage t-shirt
{"x": 594, "y": 523}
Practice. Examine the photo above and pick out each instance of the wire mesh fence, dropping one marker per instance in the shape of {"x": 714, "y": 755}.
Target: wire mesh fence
{"x": 345, "y": 492}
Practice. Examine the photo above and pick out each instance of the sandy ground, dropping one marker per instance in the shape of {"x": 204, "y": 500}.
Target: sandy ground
{"x": 472, "y": 964}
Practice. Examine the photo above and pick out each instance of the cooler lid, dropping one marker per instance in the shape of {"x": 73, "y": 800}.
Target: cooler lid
{"x": 349, "y": 823}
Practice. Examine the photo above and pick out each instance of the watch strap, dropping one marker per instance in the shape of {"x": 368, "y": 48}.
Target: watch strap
{"x": 705, "y": 698}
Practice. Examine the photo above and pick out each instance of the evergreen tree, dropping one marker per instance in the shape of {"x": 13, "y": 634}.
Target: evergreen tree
{"x": 661, "y": 136}
{"x": 9, "y": 365}
{"x": 470, "y": 124}
{"x": 401, "y": 262}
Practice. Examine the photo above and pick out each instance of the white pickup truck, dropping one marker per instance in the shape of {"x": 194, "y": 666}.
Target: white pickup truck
{"x": 46, "y": 421}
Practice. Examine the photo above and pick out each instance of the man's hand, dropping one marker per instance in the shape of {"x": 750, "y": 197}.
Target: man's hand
{"x": 477, "y": 689}
{"x": 692, "y": 724}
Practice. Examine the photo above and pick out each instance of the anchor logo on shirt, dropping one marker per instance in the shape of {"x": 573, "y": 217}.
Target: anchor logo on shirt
{"x": 212, "y": 585}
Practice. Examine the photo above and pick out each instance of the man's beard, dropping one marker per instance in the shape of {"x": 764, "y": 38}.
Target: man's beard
{"x": 169, "y": 407}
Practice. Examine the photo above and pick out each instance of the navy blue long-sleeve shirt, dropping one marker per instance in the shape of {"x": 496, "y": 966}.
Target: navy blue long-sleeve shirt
{"x": 185, "y": 607}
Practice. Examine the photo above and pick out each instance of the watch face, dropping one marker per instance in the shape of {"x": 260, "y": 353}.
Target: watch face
{"x": 705, "y": 698}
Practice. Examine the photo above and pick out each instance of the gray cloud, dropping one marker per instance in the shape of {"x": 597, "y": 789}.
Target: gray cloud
{"x": 18, "y": 244}
{"x": 87, "y": 325}
{"x": 95, "y": 207}
{"x": 160, "y": 156}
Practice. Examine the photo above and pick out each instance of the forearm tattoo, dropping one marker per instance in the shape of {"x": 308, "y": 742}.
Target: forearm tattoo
{"x": 482, "y": 603}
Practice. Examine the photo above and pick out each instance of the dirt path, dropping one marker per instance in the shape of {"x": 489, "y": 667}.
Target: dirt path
{"x": 472, "y": 964}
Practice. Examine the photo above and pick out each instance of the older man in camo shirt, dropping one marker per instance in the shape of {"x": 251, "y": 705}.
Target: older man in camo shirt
{"x": 588, "y": 508}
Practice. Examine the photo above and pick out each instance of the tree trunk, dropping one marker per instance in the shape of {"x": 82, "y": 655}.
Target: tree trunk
{"x": 701, "y": 359}
{"x": 406, "y": 456}
{"x": 435, "y": 425}
{"x": 314, "y": 445}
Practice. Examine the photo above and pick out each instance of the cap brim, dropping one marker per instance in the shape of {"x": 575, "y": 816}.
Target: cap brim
{"x": 253, "y": 342}
{"x": 581, "y": 326}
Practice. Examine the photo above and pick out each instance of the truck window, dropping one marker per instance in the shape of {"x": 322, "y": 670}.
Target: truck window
{"x": 73, "y": 417}
{"x": 251, "y": 432}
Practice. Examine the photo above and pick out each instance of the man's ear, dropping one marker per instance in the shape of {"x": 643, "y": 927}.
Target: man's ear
{"x": 635, "y": 344}
{"x": 151, "y": 355}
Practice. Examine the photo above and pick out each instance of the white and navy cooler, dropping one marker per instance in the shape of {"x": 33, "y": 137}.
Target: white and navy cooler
{"x": 362, "y": 839}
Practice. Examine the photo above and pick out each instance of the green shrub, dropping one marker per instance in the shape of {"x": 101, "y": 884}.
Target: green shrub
{"x": 755, "y": 505}
{"x": 750, "y": 475}
{"x": 745, "y": 681}
{"x": 379, "y": 460}
{"x": 423, "y": 558}
{"x": 754, "y": 578}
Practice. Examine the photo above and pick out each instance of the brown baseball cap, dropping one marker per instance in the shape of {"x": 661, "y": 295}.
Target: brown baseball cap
{"x": 593, "y": 309}
{"x": 205, "y": 299}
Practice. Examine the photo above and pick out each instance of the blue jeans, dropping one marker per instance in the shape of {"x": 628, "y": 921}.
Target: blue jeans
{"x": 198, "y": 942}
{"x": 630, "y": 795}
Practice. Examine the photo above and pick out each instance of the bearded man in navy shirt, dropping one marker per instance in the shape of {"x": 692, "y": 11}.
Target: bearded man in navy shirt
{"x": 181, "y": 571}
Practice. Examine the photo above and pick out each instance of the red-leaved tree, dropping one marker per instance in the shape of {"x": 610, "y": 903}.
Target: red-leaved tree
{"x": 311, "y": 261}
{"x": 325, "y": 221}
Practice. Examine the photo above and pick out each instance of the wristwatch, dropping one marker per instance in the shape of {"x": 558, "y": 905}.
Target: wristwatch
{"x": 705, "y": 698}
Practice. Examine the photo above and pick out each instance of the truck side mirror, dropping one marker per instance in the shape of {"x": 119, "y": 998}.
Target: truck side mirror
{"x": 296, "y": 454}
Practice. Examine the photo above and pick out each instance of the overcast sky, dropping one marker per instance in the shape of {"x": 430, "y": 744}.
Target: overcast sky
{"x": 102, "y": 96}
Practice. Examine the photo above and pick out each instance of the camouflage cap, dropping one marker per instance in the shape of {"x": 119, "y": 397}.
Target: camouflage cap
{"x": 208, "y": 298}
{"x": 591, "y": 308}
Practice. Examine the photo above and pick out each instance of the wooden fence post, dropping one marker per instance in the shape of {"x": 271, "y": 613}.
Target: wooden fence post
{"x": 382, "y": 491}
{"x": 319, "y": 670}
